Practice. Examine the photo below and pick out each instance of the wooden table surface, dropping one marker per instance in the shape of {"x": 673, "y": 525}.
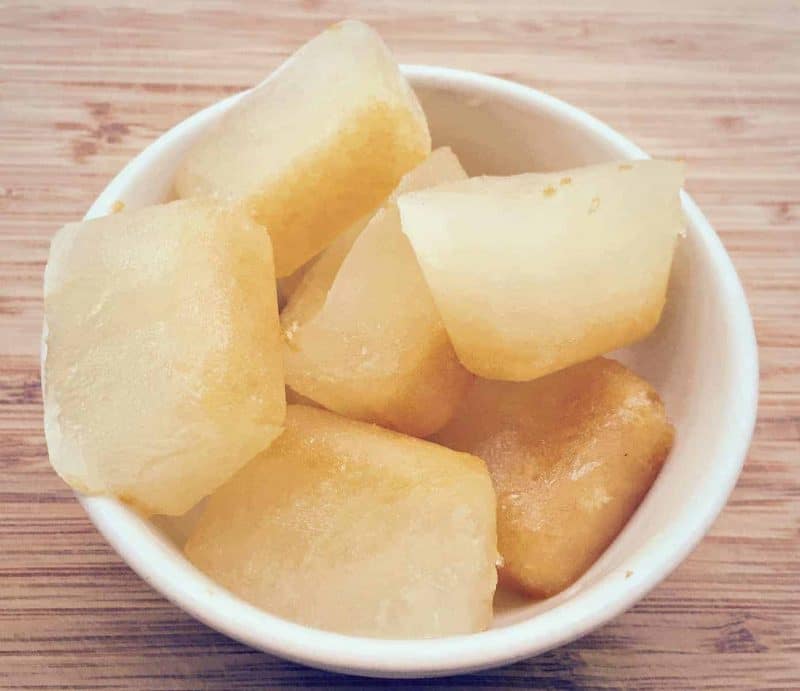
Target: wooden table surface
{"x": 85, "y": 85}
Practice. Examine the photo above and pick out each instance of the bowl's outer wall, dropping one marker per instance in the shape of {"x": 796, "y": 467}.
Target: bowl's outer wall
{"x": 702, "y": 359}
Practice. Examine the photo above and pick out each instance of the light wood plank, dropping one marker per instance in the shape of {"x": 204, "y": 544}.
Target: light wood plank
{"x": 85, "y": 85}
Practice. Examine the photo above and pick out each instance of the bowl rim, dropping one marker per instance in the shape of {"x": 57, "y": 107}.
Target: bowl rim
{"x": 588, "y": 609}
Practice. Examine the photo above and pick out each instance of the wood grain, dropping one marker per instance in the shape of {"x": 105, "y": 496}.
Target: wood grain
{"x": 86, "y": 85}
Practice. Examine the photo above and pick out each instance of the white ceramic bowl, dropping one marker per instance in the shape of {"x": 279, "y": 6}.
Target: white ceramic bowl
{"x": 702, "y": 359}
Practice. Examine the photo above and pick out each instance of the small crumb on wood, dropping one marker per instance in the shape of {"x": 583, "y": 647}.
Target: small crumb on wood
{"x": 625, "y": 166}
{"x": 549, "y": 191}
{"x": 117, "y": 206}
{"x": 595, "y": 205}
{"x": 628, "y": 574}
{"x": 565, "y": 181}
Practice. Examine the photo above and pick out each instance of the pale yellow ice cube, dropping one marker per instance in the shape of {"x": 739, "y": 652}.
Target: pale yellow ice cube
{"x": 363, "y": 336}
{"x": 317, "y": 145}
{"x": 535, "y": 272}
{"x": 348, "y": 527}
{"x": 163, "y": 373}
{"x": 571, "y": 455}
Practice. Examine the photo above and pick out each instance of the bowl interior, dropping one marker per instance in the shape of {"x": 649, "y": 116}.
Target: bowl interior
{"x": 701, "y": 359}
